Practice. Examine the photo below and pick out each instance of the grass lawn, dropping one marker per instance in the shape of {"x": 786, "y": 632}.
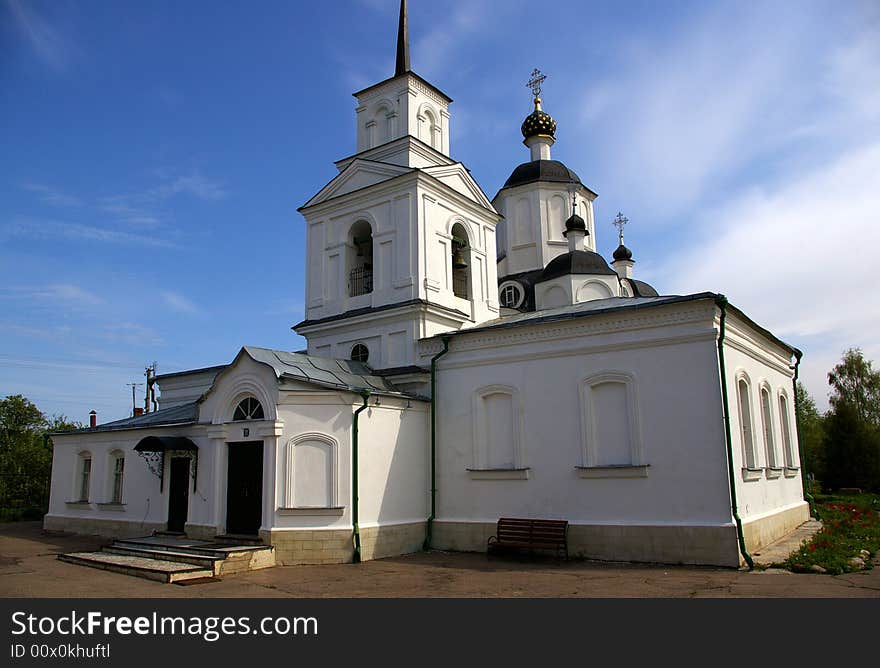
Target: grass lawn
{"x": 850, "y": 524}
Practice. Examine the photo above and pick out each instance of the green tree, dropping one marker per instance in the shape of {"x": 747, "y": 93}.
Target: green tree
{"x": 811, "y": 431}
{"x": 26, "y": 455}
{"x": 854, "y": 381}
{"x": 852, "y": 449}
{"x": 852, "y": 426}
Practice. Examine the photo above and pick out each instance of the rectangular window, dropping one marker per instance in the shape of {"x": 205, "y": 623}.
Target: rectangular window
{"x": 85, "y": 476}
{"x": 118, "y": 475}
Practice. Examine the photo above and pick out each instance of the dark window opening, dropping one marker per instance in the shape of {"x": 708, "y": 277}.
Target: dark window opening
{"x": 360, "y": 353}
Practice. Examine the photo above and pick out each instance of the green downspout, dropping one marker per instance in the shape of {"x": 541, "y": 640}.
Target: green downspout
{"x": 356, "y": 558}
{"x": 797, "y": 430}
{"x": 721, "y": 302}
{"x": 430, "y": 527}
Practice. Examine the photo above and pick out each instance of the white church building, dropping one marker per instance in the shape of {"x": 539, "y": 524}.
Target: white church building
{"x": 468, "y": 359}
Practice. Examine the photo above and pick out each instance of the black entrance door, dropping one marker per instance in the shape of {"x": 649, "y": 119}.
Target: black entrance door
{"x": 178, "y": 489}
{"x": 244, "y": 491}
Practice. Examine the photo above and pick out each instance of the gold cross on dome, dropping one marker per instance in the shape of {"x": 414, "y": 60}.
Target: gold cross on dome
{"x": 620, "y": 222}
{"x": 536, "y": 81}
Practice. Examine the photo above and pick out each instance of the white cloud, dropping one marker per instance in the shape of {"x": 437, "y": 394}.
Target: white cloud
{"x": 180, "y": 303}
{"x": 194, "y": 183}
{"x": 52, "y": 196}
{"x": 48, "y": 42}
{"x": 53, "y": 230}
{"x": 62, "y": 293}
{"x": 801, "y": 259}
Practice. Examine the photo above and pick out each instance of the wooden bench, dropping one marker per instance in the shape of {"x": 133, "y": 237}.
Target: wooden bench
{"x": 531, "y": 534}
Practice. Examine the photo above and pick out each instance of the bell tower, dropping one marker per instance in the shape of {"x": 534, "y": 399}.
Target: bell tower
{"x": 401, "y": 243}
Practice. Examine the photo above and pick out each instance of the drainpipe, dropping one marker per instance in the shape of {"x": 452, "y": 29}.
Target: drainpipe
{"x": 797, "y": 430}
{"x": 721, "y": 302}
{"x": 356, "y": 558}
{"x": 429, "y": 532}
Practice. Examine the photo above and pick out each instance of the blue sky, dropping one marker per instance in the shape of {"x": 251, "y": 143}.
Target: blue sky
{"x": 154, "y": 154}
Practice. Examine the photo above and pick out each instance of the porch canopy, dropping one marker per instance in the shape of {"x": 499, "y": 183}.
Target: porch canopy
{"x": 164, "y": 443}
{"x": 154, "y": 448}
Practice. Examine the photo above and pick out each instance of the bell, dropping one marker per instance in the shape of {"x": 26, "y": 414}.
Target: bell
{"x": 459, "y": 261}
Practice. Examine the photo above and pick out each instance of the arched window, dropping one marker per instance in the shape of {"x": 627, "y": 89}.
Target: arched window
{"x": 787, "y": 449}
{"x": 117, "y": 473}
{"x": 360, "y": 353}
{"x": 767, "y": 425}
{"x": 429, "y": 132}
{"x": 84, "y": 477}
{"x": 360, "y": 259}
{"x": 311, "y": 472}
{"x": 497, "y": 415}
{"x": 461, "y": 270}
{"x": 611, "y": 441}
{"x": 744, "y": 396}
{"x": 248, "y": 409}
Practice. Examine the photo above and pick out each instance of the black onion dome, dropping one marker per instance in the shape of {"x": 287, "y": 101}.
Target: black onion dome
{"x": 623, "y": 253}
{"x": 640, "y": 288}
{"x": 541, "y": 170}
{"x": 577, "y": 262}
{"x": 538, "y": 123}
{"x": 575, "y": 223}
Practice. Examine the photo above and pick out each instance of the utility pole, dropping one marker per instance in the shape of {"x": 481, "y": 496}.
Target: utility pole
{"x": 133, "y": 400}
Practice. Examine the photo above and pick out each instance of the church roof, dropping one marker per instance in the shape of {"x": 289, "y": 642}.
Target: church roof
{"x": 175, "y": 416}
{"x": 577, "y": 262}
{"x": 324, "y": 371}
{"x": 541, "y": 170}
{"x": 603, "y": 306}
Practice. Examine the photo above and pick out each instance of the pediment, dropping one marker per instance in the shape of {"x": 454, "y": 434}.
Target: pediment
{"x": 457, "y": 177}
{"x": 359, "y": 174}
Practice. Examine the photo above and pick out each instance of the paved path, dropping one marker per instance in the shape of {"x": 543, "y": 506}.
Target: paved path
{"x": 29, "y": 568}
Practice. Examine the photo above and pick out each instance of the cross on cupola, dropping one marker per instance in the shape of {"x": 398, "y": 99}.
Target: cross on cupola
{"x": 620, "y": 222}
{"x": 539, "y": 128}
{"x": 536, "y": 81}
{"x": 623, "y": 255}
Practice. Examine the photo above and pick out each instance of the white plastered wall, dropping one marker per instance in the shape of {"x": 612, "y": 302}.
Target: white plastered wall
{"x": 671, "y": 356}
{"x": 750, "y": 355}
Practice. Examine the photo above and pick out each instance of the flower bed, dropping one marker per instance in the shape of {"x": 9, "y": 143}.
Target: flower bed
{"x": 850, "y": 528}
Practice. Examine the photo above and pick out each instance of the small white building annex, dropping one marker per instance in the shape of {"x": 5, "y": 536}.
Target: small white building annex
{"x": 468, "y": 359}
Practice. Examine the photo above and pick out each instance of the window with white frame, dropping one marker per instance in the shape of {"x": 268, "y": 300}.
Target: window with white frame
{"x": 497, "y": 415}
{"x": 785, "y": 423}
{"x": 767, "y": 425}
{"x": 117, "y": 463}
{"x": 311, "y": 472}
{"x": 84, "y": 477}
{"x": 744, "y": 401}
{"x": 610, "y": 431}
{"x": 248, "y": 409}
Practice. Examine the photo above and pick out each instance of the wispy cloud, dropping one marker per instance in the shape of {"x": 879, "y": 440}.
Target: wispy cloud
{"x": 53, "y": 230}
{"x": 194, "y": 183}
{"x": 178, "y": 302}
{"x": 48, "y": 42}
{"x": 60, "y": 293}
{"x": 52, "y": 196}
{"x": 130, "y": 333}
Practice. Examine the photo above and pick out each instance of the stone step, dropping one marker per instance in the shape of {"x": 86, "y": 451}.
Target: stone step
{"x": 160, "y": 570}
{"x": 183, "y": 557}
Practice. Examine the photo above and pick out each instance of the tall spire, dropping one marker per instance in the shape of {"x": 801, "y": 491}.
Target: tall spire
{"x": 402, "y": 42}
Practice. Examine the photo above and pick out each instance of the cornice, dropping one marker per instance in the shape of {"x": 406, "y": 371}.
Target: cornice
{"x": 586, "y": 325}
